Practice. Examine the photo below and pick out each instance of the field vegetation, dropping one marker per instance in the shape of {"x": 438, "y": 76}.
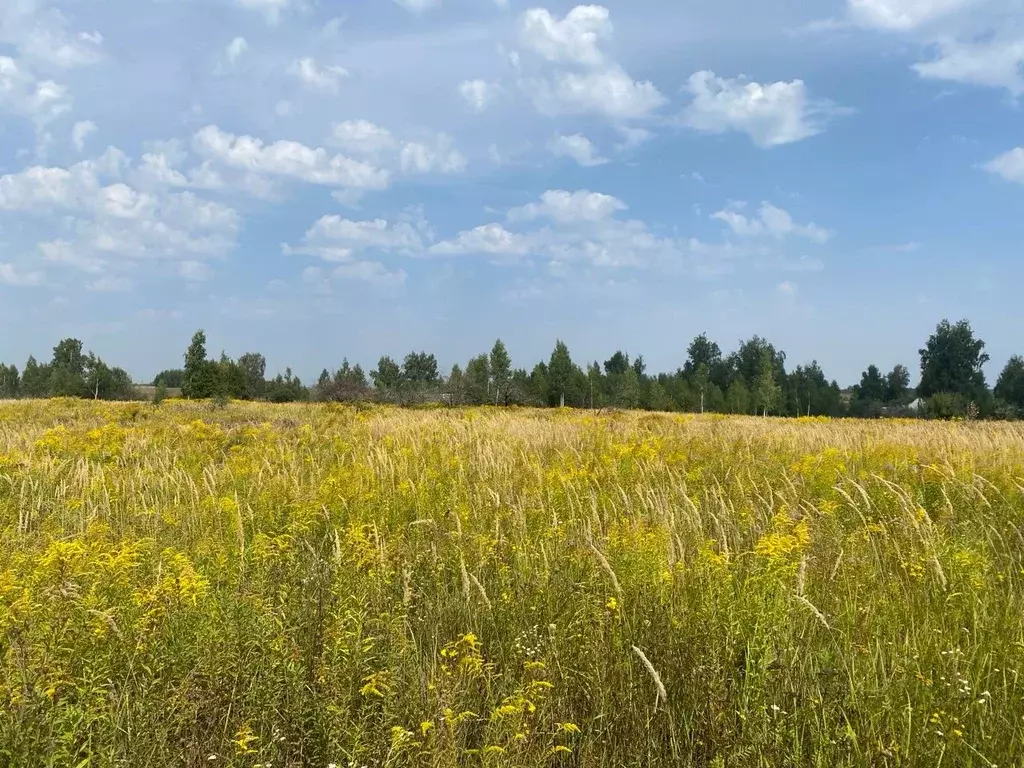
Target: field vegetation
{"x": 318, "y": 585}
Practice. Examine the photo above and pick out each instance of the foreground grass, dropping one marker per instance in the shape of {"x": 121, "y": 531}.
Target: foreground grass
{"x": 308, "y": 585}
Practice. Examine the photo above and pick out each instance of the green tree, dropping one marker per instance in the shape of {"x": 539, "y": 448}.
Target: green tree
{"x": 748, "y": 360}
{"x": 595, "y": 385}
{"x": 478, "y": 380}
{"x": 952, "y": 362}
{"x": 658, "y": 398}
{"x": 200, "y": 375}
{"x": 897, "y": 385}
{"x": 617, "y": 364}
{"x": 10, "y": 382}
{"x": 873, "y": 387}
{"x": 737, "y": 397}
{"x": 814, "y": 395}
{"x": 35, "y": 379}
{"x": 67, "y": 370}
{"x": 254, "y": 371}
{"x": 562, "y": 378}
{"x": 767, "y": 391}
{"x": 172, "y": 379}
{"x": 702, "y": 351}
{"x": 539, "y": 389}
{"x": 456, "y": 386}
{"x": 420, "y": 370}
{"x": 286, "y": 389}
{"x": 701, "y": 378}
{"x": 230, "y": 379}
{"x": 501, "y": 373}
{"x": 1010, "y": 386}
{"x": 387, "y": 377}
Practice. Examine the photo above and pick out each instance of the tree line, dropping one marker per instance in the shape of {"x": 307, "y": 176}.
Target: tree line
{"x": 753, "y": 379}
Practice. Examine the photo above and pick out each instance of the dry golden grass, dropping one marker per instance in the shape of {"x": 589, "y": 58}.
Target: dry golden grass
{"x": 314, "y": 585}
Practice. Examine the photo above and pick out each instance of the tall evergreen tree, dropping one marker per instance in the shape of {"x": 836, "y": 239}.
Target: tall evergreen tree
{"x": 501, "y": 373}
{"x": 200, "y": 375}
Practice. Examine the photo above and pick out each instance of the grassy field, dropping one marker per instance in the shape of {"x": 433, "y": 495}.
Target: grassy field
{"x": 316, "y": 586}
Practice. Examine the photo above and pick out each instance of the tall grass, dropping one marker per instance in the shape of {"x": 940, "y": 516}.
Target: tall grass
{"x": 315, "y": 585}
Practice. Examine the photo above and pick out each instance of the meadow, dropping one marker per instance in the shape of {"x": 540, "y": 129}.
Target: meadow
{"x": 312, "y": 585}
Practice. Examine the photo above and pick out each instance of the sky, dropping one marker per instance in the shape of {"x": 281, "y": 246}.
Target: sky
{"x": 327, "y": 179}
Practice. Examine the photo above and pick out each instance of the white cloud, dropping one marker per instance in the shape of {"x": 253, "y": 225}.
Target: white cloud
{"x": 320, "y": 78}
{"x": 81, "y": 132}
{"x": 579, "y": 148}
{"x": 163, "y": 168}
{"x": 902, "y": 15}
{"x": 362, "y": 136}
{"x": 610, "y": 92}
{"x": 103, "y": 217}
{"x": 995, "y": 64}
{"x": 1009, "y": 165}
{"x": 372, "y": 272}
{"x": 772, "y": 115}
{"x": 588, "y": 82}
{"x": 194, "y": 271}
{"x": 787, "y": 289}
{"x": 110, "y": 284}
{"x": 489, "y": 239}
{"x": 24, "y": 95}
{"x": 634, "y": 137}
{"x": 41, "y": 35}
{"x": 422, "y": 158}
{"x": 338, "y": 240}
{"x": 235, "y": 49}
{"x": 573, "y": 40}
{"x": 287, "y": 159}
{"x": 570, "y": 207}
{"x": 771, "y": 221}
{"x": 479, "y": 94}
{"x": 11, "y": 276}
{"x": 272, "y": 10}
{"x": 418, "y": 6}
{"x": 337, "y": 232}
{"x": 579, "y": 228}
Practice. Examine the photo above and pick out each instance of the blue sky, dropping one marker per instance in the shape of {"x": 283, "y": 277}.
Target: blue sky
{"x": 319, "y": 180}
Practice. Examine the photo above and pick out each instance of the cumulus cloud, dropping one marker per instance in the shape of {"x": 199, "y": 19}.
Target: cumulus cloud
{"x": 579, "y": 148}
{"x": 41, "y": 36}
{"x": 441, "y": 157}
{"x": 338, "y": 240}
{"x": 488, "y": 239}
{"x": 581, "y": 79}
{"x": 272, "y": 10}
{"x": 571, "y": 228}
{"x": 82, "y": 131}
{"x": 287, "y": 159}
{"x": 574, "y": 39}
{"x": 772, "y": 115}
{"x": 610, "y": 92}
{"x": 1009, "y": 165}
{"x": 194, "y": 271}
{"x": 570, "y": 207}
{"x": 994, "y": 64}
{"x": 12, "y": 276}
{"x": 235, "y": 49}
{"x": 771, "y": 221}
{"x": 362, "y": 137}
{"x": 418, "y": 6}
{"x": 326, "y": 78}
{"x": 338, "y": 232}
{"x": 902, "y": 15}
{"x": 107, "y": 224}
{"x": 479, "y": 94}
{"x": 22, "y": 94}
